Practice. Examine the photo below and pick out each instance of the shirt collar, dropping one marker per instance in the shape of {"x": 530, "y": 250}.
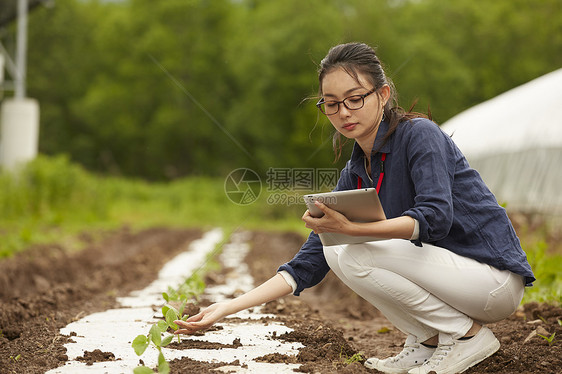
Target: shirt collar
{"x": 357, "y": 163}
{"x": 357, "y": 152}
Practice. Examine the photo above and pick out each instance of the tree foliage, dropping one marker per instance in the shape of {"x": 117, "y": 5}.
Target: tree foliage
{"x": 164, "y": 89}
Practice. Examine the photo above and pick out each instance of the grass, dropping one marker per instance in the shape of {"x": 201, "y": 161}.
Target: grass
{"x": 546, "y": 267}
{"x": 53, "y": 200}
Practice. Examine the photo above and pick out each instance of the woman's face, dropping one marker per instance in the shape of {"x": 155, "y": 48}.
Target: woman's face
{"x": 360, "y": 124}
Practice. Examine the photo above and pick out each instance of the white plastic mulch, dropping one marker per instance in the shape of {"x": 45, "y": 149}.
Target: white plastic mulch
{"x": 114, "y": 330}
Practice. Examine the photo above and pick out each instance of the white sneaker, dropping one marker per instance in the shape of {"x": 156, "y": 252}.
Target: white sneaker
{"x": 455, "y": 356}
{"x": 413, "y": 355}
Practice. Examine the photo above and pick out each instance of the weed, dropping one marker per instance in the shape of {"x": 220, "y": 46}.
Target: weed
{"x": 16, "y": 358}
{"x": 357, "y": 357}
{"x": 550, "y": 339}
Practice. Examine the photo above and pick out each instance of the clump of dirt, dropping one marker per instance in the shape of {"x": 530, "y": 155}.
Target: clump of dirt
{"x": 187, "y": 365}
{"x": 96, "y": 355}
{"x": 276, "y": 357}
{"x": 191, "y": 309}
{"x": 198, "y": 344}
{"x": 325, "y": 346}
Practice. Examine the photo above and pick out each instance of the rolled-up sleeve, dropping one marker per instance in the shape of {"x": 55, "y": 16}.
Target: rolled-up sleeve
{"x": 309, "y": 265}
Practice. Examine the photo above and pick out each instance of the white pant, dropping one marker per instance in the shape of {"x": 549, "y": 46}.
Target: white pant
{"x": 426, "y": 290}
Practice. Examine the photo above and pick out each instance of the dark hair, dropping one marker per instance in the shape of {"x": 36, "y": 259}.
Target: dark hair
{"x": 357, "y": 58}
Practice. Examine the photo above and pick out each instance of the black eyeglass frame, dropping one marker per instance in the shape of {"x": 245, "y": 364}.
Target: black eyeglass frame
{"x": 362, "y": 96}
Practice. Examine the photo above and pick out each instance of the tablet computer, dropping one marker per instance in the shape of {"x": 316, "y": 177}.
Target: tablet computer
{"x": 360, "y": 205}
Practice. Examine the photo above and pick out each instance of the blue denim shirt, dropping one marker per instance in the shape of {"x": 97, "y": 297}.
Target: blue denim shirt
{"x": 427, "y": 178}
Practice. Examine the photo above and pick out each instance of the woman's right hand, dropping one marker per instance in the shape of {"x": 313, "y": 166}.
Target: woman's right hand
{"x": 202, "y": 320}
{"x": 272, "y": 289}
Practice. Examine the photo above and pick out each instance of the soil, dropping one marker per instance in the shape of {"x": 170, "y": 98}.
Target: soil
{"x": 46, "y": 287}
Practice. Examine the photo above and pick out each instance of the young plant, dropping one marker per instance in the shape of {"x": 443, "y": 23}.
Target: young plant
{"x": 542, "y": 319}
{"x": 191, "y": 288}
{"x": 357, "y": 357}
{"x": 154, "y": 336}
{"x": 550, "y": 339}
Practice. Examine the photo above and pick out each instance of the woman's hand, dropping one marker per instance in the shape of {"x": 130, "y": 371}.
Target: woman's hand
{"x": 203, "y": 320}
{"x": 272, "y": 289}
{"x": 331, "y": 221}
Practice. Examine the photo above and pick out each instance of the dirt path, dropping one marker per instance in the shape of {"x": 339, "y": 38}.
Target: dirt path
{"x": 46, "y": 288}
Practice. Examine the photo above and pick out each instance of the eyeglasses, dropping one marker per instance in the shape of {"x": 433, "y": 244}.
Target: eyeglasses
{"x": 354, "y": 102}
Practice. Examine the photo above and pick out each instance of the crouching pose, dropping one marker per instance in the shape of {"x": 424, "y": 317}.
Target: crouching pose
{"x": 450, "y": 262}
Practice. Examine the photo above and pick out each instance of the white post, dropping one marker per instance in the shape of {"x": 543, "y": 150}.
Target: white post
{"x": 19, "y": 131}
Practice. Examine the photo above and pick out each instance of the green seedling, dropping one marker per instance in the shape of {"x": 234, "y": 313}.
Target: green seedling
{"x": 16, "y": 358}
{"x": 154, "y": 336}
{"x": 191, "y": 288}
{"x": 550, "y": 339}
{"x": 172, "y": 314}
{"x": 559, "y": 321}
{"x": 358, "y": 357}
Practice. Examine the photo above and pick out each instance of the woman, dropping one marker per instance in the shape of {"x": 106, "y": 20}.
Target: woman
{"x": 461, "y": 265}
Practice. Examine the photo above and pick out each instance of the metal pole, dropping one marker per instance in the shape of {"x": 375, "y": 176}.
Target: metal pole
{"x": 10, "y": 65}
{"x": 21, "y": 50}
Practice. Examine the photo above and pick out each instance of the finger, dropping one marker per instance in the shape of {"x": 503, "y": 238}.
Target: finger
{"x": 196, "y": 318}
{"x": 181, "y": 323}
{"x": 190, "y": 328}
{"x": 308, "y": 223}
{"x": 322, "y": 206}
{"x": 306, "y": 214}
{"x": 184, "y": 331}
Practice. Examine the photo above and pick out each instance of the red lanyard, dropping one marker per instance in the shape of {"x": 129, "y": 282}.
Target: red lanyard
{"x": 381, "y": 175}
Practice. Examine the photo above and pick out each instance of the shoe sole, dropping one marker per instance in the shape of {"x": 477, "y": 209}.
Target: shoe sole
{"x": 375, "y": 366}
{"x": 481, "y": 356}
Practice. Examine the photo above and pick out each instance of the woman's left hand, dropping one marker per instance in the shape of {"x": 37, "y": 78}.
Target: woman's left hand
{"x": 331, "y": 221}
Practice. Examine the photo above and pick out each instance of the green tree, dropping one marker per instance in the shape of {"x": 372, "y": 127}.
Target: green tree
{"x": 165, "y": 89}
{"x": 60, "y": 67}
{"x": 165, "y": 66}
{"x": 274, "y": 59}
